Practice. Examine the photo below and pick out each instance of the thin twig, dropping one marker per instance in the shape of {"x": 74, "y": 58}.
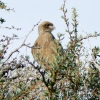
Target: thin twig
{"x": 33, "y": 47}
{"x": 86, "y": 37}
{"x": 23, "y": 44}
{"x": 11, "y": 28}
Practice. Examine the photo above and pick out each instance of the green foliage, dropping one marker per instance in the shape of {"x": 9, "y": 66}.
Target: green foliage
{"x": 2, "y": 20}
{"x": 2, "y": 5}
{"x": 70, "y": 78}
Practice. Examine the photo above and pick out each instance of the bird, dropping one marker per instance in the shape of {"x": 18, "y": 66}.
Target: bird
{"x": 47, "y": 43}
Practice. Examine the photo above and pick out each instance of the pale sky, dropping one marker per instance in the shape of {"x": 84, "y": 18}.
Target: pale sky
{"x": 29, "y": 12}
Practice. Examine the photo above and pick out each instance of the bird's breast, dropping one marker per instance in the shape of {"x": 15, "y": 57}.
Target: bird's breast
{"x": 46, "y": 42}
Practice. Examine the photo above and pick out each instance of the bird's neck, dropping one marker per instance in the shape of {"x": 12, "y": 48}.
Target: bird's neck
{"x": 46, "y": 32}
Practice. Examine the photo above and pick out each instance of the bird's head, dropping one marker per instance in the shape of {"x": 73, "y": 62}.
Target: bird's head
{"x": 45, "y": 27}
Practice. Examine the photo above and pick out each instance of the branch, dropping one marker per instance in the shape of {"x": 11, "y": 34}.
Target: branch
{"x": 11, "y": 28}
{"x": 32, "y": 87}
{"x": 23, "y": 44}
{"x": 41, "y": 73}
{"x": 65, "y": 18}
{"x": 33, "y": 47}
{"x": 86, "y": 37}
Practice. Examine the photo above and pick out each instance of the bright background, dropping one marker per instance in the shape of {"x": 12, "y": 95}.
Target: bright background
{"x": 29, "y": 12}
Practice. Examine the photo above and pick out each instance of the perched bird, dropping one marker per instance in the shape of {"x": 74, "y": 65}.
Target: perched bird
{"x": 47, "y": 43}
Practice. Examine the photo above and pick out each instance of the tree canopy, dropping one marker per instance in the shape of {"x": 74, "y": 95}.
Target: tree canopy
{"x": 75, "y": 74}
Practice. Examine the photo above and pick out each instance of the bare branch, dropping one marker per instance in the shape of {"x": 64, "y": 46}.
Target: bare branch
{"x": 23, "y": 44}
{"x": 86, "y": 37}
{"x": 33, "y": 47}
{"x": 11, "y": 28}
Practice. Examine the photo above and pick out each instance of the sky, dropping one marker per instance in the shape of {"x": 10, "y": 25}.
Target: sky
{"x": 29, "y": 12}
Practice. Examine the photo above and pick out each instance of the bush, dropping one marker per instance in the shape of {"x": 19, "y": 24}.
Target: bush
{"x": 72, "y": 77}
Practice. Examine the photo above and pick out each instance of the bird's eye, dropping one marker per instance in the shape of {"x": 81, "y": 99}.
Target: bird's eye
{"x": 47, "y": 25}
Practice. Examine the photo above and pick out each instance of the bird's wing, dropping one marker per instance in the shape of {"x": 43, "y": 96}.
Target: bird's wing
{"x": 47, "y": 45}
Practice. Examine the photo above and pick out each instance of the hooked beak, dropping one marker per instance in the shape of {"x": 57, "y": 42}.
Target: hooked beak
{"x": 52, "y": 27}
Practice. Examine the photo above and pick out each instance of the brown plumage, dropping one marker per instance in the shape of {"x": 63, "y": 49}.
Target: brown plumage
{"x": 46, "y": 42}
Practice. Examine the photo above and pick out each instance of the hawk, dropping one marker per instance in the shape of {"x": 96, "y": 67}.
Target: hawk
{"x": 47, "y": 43}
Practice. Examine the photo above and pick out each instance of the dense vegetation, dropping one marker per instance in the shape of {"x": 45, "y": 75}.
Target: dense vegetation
{"x": 75, "y": 74}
